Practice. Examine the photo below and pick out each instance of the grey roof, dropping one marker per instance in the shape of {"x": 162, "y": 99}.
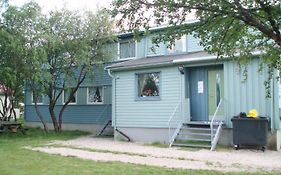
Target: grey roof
{"x": 159, "y": 60}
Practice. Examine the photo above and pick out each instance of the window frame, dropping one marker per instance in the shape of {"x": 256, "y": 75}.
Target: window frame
{"x": 32, "y": 102}
{"x": 70, "y": 103}
{"x": 95, "y": 103}
{"x": 148, "y": 98}
{"x": 119, "y": 49}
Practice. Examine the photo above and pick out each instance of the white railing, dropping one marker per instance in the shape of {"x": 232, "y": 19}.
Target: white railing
{"x": 171, "y": 121}
{"x": 214, "y": 139}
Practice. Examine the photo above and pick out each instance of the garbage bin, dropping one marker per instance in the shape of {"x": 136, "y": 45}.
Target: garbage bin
{"x": 250, "y": 131}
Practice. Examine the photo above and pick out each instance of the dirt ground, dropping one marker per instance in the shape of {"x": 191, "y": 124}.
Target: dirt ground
{"x": 225, "y": 160}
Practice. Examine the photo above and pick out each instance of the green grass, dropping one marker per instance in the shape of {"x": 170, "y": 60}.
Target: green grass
{"x": 16, "y": 160}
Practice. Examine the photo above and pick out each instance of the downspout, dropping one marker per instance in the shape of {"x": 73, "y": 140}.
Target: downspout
{"x": 113, "y": 112}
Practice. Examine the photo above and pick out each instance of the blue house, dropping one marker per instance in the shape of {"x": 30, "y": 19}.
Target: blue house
{"x": 88, "y": 111}
{"x": 170, "y": 95}
{"x": 183, "y": 96}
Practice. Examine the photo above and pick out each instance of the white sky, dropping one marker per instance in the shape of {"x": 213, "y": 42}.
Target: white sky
{"x": 48, "y": 5}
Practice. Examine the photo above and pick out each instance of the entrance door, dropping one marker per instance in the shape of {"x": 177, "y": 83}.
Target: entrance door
{"x": 215, "y": 91}
{"x": 206, "y": 90}
{"x": 198, "y": 86}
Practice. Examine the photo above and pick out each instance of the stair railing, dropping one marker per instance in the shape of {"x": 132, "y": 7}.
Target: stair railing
{"x": 170, "y": 121}
{"x": 213, "y": 141}
{"x": 101, "y": 114}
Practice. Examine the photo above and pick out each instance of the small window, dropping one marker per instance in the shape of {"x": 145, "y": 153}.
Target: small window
{"x": 148, "y": 85}
{"x": 179, "y": 46}
{"x": 127, "y": 49}
{"x": 39, "y": 99}
{"x": 95, "y": 95}
{"x": 66, "y": 94}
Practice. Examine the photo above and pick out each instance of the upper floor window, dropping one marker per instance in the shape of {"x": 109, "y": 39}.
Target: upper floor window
{"x": 95, "y": 95}
{"x": 148, "y": 85}
{"x": 39, "y": 99}
{"x": 66, "y": 96}
{"x": 179, "y": 46}
{"x": 127, "y": 49}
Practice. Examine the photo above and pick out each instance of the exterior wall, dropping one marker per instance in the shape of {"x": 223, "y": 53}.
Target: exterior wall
{"x": 81, "y": 112}
{"x": 242, "y": 95}
{"x": 130, "y": 112}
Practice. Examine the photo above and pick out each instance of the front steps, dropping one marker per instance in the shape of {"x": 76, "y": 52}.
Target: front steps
{"x": 197, "y": 134}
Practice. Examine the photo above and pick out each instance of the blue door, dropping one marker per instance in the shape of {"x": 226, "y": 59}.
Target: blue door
{"x": 198, "y": 90}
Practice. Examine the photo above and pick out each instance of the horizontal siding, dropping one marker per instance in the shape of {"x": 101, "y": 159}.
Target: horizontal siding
{"x": 193, "y": 44}
{"x": 133, "y": 113}
{"x": 84, "y": 114}
{"x": 242, "y": 95}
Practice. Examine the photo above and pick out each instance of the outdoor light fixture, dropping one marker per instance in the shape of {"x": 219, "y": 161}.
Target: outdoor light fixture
{"x": 181, "y": 69}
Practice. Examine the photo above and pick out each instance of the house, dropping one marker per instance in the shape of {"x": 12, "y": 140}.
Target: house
{"x": 182, "y": 93}
{"x": 155, "y": 94}
{"x": 88, "y": 111}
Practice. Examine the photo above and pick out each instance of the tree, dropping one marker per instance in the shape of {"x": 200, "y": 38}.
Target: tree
{"x": 12, "y": 52}
{"x": 71, "y": 44}
{"x": 227, "y": 27}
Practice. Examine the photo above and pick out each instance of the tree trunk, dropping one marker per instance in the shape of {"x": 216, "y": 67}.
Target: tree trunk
{"x": 46, "y": 129}
{"x": 53, "y": 116}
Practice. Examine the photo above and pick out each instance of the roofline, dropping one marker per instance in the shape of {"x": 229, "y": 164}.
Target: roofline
{"x": 156, "y": 28}
{"x": 184, "y": 60}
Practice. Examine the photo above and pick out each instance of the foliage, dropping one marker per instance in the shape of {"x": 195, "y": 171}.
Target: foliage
{"x": 227, "y": 28}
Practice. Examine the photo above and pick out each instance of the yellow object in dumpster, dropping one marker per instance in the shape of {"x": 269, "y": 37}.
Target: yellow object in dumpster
{"x": 253, "y": 113}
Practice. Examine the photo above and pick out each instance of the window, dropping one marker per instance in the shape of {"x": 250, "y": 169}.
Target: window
{"x": 39, "y": 99}
{"x": 148, "y": 85}
{"x": 179, "y": 46}
{"x": 66, "y": 94}
{"x": 218, "y": 88}
{"x": 95, "y": 95}
{"x": 127, "y": 49}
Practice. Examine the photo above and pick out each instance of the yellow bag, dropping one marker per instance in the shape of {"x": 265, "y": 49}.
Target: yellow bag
{"x": 253, "y": 113}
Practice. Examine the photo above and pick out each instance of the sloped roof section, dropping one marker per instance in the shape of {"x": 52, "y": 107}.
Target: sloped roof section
{"x": 161, "y": 60}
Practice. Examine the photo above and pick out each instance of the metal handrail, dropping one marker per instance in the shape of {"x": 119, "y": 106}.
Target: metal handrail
{"x": 212, "y": 121}
{"x": 169, "y": 122}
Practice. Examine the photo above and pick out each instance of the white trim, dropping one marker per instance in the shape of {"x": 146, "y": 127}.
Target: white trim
{"x": 102, "y": 97}
{"x": 32, "y": 102}
{"x": 71, "y": 103}
{"x": 195, "y": 59}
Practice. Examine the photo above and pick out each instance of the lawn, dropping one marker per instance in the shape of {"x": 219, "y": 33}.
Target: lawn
{"x": 16, "y": 160}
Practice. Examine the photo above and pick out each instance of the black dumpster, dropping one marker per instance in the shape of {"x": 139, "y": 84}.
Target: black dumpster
{"x": 250, "y": 131}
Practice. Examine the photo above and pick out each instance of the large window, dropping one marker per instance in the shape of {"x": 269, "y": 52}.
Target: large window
{"x": 148, "y": 85}
{"x": 179, "y": 46}
{"x": 95, "y": 95}
{"x": 39, "y": 99}
{"x": 127, "y": 49}
{"x": 66, "y": 95}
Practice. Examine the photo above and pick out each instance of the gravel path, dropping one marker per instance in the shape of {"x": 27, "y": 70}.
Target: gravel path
{"x": 101, "y": 149}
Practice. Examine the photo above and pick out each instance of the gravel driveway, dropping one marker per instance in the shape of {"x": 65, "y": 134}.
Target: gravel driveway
{"x": 104, "y": 149}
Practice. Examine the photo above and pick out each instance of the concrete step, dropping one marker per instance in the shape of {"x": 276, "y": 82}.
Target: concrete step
{"x": 192, "y": 139}
{"x": 193, "y": 134}
{"x": 191, "y": 145}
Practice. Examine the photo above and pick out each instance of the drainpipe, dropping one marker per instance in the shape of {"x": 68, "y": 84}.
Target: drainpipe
{"x": 113, "y": 112}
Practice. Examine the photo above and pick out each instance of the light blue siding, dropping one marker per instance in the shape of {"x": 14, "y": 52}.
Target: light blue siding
{"x": 132, "y": 113}
{"x": 193, "y": 44}
{"x": 242, "y": 95}
{"x": 153, "y": 50}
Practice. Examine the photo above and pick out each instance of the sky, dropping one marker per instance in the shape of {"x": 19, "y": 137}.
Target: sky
{"x": 48, "y": 5}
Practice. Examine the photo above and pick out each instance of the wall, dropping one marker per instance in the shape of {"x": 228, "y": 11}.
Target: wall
{"x": 129, "y": 112}
{"x": 242, "y": 95}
